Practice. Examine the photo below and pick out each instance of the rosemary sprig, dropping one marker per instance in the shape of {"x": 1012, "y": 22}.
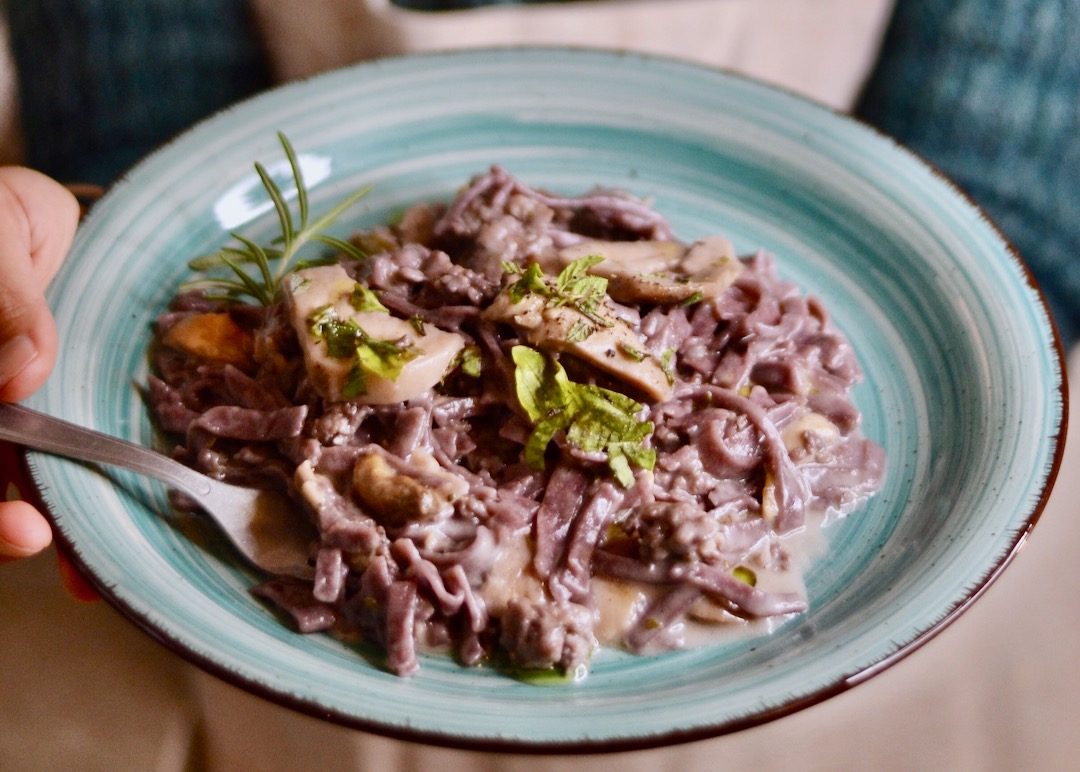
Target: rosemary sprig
{"x": 296, "y": 232}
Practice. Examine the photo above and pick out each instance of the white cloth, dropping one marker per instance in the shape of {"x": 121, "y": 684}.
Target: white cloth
{"x": 819, "y": 48}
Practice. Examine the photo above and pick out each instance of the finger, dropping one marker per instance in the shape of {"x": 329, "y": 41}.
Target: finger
{"x": 50, "y": 214}
{"x": 37, "y": 223}
{"x": 23, "y": 531}
{"x": 74, "y": 582}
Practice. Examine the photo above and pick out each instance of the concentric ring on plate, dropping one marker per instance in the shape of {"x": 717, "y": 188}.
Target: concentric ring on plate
{"x": 963, "y": 372}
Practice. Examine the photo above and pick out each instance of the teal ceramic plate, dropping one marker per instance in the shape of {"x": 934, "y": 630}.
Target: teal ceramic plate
{"x": 963, "y": 386}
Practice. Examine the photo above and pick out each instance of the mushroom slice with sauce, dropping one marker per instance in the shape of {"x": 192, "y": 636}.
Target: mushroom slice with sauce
{"x": 618, "y": 350}
{"x": 397, "y": 492}
{"x": 815, "y": 423}
{"x": 322, "y": 289}
{"x": 626, "y": 258}
{"x": 663, "y": 272}
{"x": 212, "y": 336}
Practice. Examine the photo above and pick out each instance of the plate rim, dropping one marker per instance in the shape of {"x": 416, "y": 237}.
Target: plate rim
{"x": 492, "y": 743}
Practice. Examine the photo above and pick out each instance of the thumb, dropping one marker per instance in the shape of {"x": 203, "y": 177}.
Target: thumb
{"x": 22, "y": 530}
{"x": 37, "y": 223}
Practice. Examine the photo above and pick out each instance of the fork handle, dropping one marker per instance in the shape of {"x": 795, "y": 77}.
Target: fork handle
{"x": 32, "y": 429}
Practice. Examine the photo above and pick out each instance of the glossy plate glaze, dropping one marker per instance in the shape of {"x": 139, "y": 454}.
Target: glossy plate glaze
{"x": 963, "y": 387}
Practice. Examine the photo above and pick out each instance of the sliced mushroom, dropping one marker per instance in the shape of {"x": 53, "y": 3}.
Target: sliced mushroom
{"x": 662, "y": 272}
{"x": 626, "y": 258}
{"x": 618, "y": 350}
{"x": 395, "y": 498}
{"x": 212, "y": 336}
{"x": 711, "y": 265}
{"x": 814, "y": 423}
{"x": 311, "y": 290}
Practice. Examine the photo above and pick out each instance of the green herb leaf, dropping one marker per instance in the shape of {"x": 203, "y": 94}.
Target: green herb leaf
{"x": 384, "y": 358}
{"x": 248, "y": 283}
{"x": 574, "y": 287}
{"x": 538, "y": 391}
{"x": 278, "y": 199}
{"x": 470, "y": 361}
{"x": 622, "y": 454}
{"x": 297, "y": 283}
{"x": 667, "y": 364}
{"x": 579, "y": 331}
{"x": 594, "y": 419}
{"x": 315, "y": 262}
{"x": 574, "y": 272}
{"x": 632, "y": 352}
{"x": 550, "y": 676}
{"x": 364, "y": 299}
{"x": 298, "y": 178}
{"x": 340, "y": 245}
{"x": 541, "y": 437}
{"x": 695, "y": 298}
{"x": 340, "y": 335}
{"x": 532, "y": 280}
{"x": 355, "y": 382}
{"x": 345, "y": 339}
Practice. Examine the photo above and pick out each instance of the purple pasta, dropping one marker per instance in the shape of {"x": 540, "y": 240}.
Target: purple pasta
{"x": 528, "y": 426}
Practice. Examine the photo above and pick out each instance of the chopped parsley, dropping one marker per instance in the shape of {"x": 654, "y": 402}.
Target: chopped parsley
{"x": 579, "y": 331}
{"x": 364, "y": 299}
{"x": 632, "y": 352}
{"x": 297, "y": 283}
{"x": 697, "y": 297}
{"x": 469, "y": 361}
{"x": 667, "y": 364}
{"x": 574, "y": 287}
{"x": 595, "y": 419}
{"x": 345, "y": 339}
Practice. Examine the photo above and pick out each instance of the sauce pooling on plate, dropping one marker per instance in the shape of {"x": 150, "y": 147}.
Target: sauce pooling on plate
{"x": 525, "y": 425}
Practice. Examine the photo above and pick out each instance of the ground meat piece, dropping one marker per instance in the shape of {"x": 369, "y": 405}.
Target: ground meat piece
{"x": 339, "y": 423}
{"x": 547, "y": 635}
{"x": 675, "y": 530}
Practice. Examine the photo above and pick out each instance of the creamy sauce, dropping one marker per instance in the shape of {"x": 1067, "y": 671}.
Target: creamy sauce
{"x": 619, "y": 604}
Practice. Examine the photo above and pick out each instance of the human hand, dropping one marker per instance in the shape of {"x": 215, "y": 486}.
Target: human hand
{"x": 37, "y": 223}
{"x": 38, "y": 217}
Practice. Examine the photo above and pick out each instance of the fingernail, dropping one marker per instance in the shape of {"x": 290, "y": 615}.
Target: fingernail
{"x": 15, "y": 355}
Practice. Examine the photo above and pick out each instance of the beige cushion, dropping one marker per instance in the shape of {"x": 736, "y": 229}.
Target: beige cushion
{"x": 820, "y": 48}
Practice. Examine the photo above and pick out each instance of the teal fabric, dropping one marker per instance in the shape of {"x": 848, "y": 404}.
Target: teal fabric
{"x": 989, "y": 91}
{"x": 105, "y": 81}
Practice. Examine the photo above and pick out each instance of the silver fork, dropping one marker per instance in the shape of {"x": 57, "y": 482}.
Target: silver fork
{"x": 263, "y": 525}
